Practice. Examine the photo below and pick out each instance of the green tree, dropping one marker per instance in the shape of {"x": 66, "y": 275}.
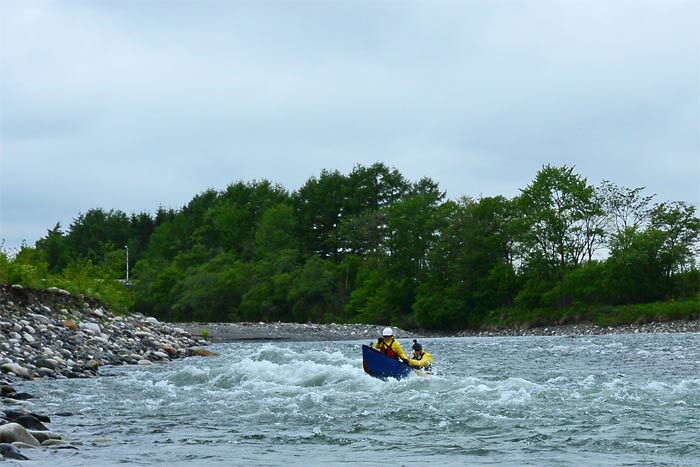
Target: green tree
{"x": 141, "y": 227}
{"x": 374, "y": 188}
{"x": 636, "y": 270}
{"x": 319, "y": 205}
{"x": 314, "y": 292}
{"x": 27, "y": 267}
{"x": 212, "y": 291}
{"x": 365, "y": 234}
{"x": 680, "y": 229}
{"x": 230, "y": 223}
{"x": 626, "y": 209}
{"x": 588, "y": 284}
{"x": 275, "y": 231}
{"x": 413, "y": 224}
{"x": 272, "y": 278}
{"x": 369, "y": 300}
{"x": 53, "y": 246}
{"x": 94, "y": 233}
{"x": 471, "y": 268}
{"x": 557, "y": 235}
{"x": 653, "y": 264}
{"x": 370, "y": 192}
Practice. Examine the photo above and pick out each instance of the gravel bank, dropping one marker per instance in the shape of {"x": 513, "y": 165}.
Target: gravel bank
{"x": 50, "y": 333}
{"x": 230, "y": 332}
{"x": 586, "y": 329}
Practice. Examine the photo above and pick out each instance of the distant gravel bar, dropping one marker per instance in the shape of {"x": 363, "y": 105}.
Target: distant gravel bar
{"x": 586, "y": 329}
{"x": 231, "y": 332}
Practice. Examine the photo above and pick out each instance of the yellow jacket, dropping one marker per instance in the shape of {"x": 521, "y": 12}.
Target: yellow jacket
{"x": 425, "y": 360}
{"x": 390, "y": 347}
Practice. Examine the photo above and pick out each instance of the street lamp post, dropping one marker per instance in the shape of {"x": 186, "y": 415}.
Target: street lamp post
{"x": 127, "y": 262}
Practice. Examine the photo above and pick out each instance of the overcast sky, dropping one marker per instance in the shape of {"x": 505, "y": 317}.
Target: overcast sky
{"x": 132, "y": 105}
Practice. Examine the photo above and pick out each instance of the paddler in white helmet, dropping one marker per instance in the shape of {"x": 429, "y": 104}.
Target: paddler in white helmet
{"x": 390, "y": 347}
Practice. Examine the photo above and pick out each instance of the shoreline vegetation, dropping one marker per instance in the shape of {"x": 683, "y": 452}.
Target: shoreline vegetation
{"x": 372, "y": 246}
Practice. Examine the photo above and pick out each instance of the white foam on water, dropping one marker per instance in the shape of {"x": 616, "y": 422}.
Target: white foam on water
{"x": 515, "y": 397}
{"x": 475, "y": 386}
{"x": 608, "y": 400}
{"x": 589, "y": 382}
{"x": 196, "y": 371}
{"x": 657, "y": 387}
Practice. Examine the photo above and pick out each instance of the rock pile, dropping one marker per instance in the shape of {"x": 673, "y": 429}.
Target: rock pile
{"x": 54, "y": 334}
{"x": 25, "y": 429}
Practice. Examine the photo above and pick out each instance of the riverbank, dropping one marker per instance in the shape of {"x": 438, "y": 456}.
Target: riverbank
{"x": 231, "y": 332}
{"x": 53, "y": 334}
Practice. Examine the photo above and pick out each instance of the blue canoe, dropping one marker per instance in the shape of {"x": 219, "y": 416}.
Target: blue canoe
{"x": 379, "y": 365}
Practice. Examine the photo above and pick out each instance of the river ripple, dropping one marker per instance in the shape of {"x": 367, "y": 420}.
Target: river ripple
{"x": 552, "y": 401}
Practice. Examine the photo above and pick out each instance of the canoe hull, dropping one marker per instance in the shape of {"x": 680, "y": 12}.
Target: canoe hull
{"x": 380, "y": 366}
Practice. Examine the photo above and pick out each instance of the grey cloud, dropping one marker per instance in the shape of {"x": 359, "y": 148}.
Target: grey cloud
{"x": 128, "y": 105}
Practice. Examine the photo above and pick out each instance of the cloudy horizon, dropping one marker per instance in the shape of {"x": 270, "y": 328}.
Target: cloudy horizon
{"x": 132, "y": 105}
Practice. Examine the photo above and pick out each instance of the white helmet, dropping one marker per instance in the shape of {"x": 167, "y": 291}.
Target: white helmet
{"x": 387, "y": 332}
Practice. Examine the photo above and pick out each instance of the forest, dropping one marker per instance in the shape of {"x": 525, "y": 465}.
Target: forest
{"x": 371, "y": 246}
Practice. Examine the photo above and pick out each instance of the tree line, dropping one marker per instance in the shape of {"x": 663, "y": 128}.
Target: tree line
{"x": 371, "y": 246}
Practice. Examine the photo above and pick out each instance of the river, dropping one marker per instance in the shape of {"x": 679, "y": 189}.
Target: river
{"x": 544, "y": 401}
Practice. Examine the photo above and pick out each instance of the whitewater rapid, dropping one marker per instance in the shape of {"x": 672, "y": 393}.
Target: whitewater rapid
{"x": 595, "y": 400}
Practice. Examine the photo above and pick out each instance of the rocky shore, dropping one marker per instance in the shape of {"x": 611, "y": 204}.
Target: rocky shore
{"x": 53, "y": 334}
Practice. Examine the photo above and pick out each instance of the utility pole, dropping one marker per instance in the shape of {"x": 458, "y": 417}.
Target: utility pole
{"x": 127, "y": 262}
